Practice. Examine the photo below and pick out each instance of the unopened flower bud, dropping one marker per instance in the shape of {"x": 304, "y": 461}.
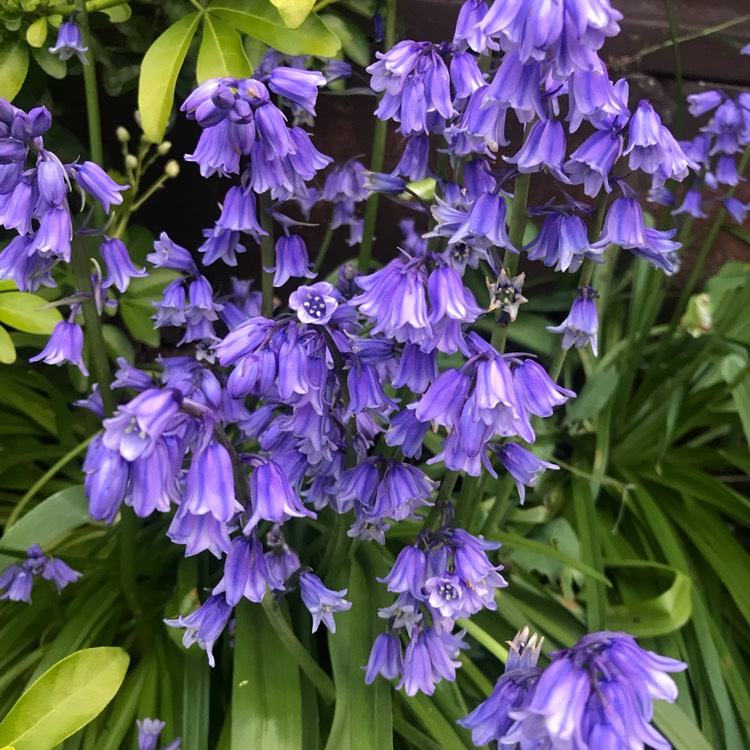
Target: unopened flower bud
{"x": 163, "y": 148}
{"x": 137, "y": 118}
{"x": 131, "y": 161}
{"x": 172, "y": 168}
{"x": 122, "y": 134}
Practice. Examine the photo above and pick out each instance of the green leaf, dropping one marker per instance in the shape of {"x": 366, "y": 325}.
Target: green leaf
{"x": 353, "y": 41}
{"x": 136, "y": 314}
{"x": 65, "y": 699}
{"x": 48, "y": 522}
{"x": 51, "y": 64}
{"x": 117, "y": 343}
{"x": 266, "y": 692}
{"x": 294, "y": 12}
{"x": 735, "y": 370}
{"x": 159, "y": 69}
{"x": 221, "y": 52}
{"x": 152, "y": 286}
{"x": 363, "y": 714}
{"x": 119, "y": 13}
{"x": 261, "y": 20}
{"x": 36, "y": 34}
{"x": 14, "y": 62}
{"x": 678, "y": 728}
{"x": 20, "y": 310}
{"x": 656, "y": 616}
{"x": 7, "y": 348}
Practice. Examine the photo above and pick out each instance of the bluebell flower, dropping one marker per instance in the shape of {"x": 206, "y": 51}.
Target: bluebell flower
{"x": 484, "y": 225}
{"x": 580, "y": 328}
{"x": 170, "y": 309}
{"x": 17, "y": 583}
{"x": 18, "y": 579}
{"x": 199, "y": 533}
{"x": 468, "y": 26}
{"x": 465, "y": 75}
{"x": 168, "y": 254}
{"x": 417, "y": 672}
{"x": 414, "y": 160}
{"x": 660, "y": 250}
{"x": 65, "y": 345}
{"x": 137, "y": 426}
{"x": 592, "y": 97}
{"x": 246, "y": 572}
{"x": 563, "y": 243}
{"x": 653, "y": 149}
{"x": 272, "y": 497}
{"x": 726, "y": 170}
{"x": 416, "y": 369}
{"x": 449, "y": 298}
{"x": 70, "y": 42}
{"x": 516, "y": 85}
{"x": 407, "y": 432}
{"x": 408, "y": 572}
{"x": 209, "y": 485}
{"x": 321, "y": 602}
{"x": 120, "y": 268}
{"x": 106, "y": 478}
{"x": 201, "y": 311}
{"x": 416, "y": 86}
{"x": 17, "y": 206}
{"x": 97, "y": 183}
{"x": 221, "y": 244}
{"x": 704, "y": 101}
{"x": 544, "y": 148}
{"x": 591, "y": 163}
{"x": 149, "y": 731}
{"x": 386, "y": 658}
{"x": 51, "y": 178}
{"x": 205, "y": 625}
{"x": 335, "y": 70}
{"x": 443, "y": 401}
{"x": 239, "y": 214}
{"x": 537, "y": 391}
{"x": 728, "y": 126}
{"x": 523, "y": 466}
{"x": 479, "y": 576}
{"x": 491, "y": 719}
{"x": 52, "y": 239}
{"x": 314, "y": 304}
{"x": 366, "y": 391}
{"x": 487, "y": 122}
{"x": 624, "y": 225}
{"x": 291, "y": 260}
{"x": 219, "y": 149}
{"x": 298, "y": 86}
{"x": 402, "y": 490}
{"x": 736, "y": 209}
{"x": 596, "y": 694}
{"x": 691, "y": 205}
{"x": 377, "y": 182}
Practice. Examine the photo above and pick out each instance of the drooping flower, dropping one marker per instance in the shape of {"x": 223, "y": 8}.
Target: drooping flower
{"x": 581, "y": 326}
{"x": 65, "y": 345}
{"x": 70, "y": 42}
{"x": 205, "y": 625}
{"x": 321, "y": 602}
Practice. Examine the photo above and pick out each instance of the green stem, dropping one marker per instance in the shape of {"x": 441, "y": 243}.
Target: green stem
{"x": 323, "y": 251}
{"x": 301, "y": 655}
{"x": 51, "y": 472}
{"x": 500, "y": 507}
{"x": 672, "y": 21}
{"x": 90, "y": 86}
{"x": 681, "y": 39}
{"x": 378, "y": 154}
{"x": 148, "y": 193}
{"x": 444, "y": 493}
{"x": 518, "y": 219}
{"x": 267, "y": 258}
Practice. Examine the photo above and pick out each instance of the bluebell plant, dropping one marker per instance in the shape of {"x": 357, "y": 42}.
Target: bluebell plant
{"x": 326, "y": 402}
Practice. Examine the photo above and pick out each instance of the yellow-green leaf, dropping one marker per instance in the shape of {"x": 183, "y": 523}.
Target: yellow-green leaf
{"x": 14, "y": 62}
{"x": 261, "y": 20}
{"x": 64, "y": 699}
{"x": 36, "y": 34}
{"x": 221, "y": 52}
{"x": 119, "y": 13}
{"x": 294, "y": 12}
{"x": 159, "y": 69}
{"x": 7, "y": 348}
{"x": 21, "y": 310}
{"x": 353, "y": 41}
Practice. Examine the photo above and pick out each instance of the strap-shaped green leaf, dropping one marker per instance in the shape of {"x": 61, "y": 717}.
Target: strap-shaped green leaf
{"x": 658, "y": 615}
{"x": 14, "y": 63}
{"x": 262, "y": 21}
{"x": 221, "y": 52}
{"x": 159, "y": 70}
{"x": 363, "y": 715}
{"x": 294, "y": 12}
{"x": 266, "y": 692}
{"x": 7, "y": 348}
{"x": 49, "y": 522}
{"x": 21, "y": 310}
{"x": 64, "y": 699}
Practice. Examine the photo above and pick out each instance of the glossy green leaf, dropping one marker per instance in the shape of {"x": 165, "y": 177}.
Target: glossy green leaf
{"x": 293, "y": 12}
{"x": 266, "y": 692}
{"x": 21, "y": 310}
{"x": 136, "y": 314}
{"x": 353, "y": 42}
{"x": 118, "y": 13}
{"x": 7, "y": 348}
{"x": 47, "y": 523}
{"x": 14, "y": 63}
{"x": 159, "y": 70}
{"x": 658, "y": 615}
{"x": 221, "y": 52}
{"x": 36, "y": 34}
{"x": 64, "y": 699}
{"x": 363, "y": 715}
{"x": 261, "y": 20}
{"x": 117, "y": 343}
{"x": 678, "y": 728}
{"x": 51, "y": 64}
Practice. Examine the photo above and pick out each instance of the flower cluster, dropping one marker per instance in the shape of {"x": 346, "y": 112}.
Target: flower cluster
{"x": 597, "y": 694}
{"x": 148, "y": 735}
{"x": 17, "y": 580}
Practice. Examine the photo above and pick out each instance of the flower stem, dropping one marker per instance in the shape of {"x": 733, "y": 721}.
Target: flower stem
{"x": 90, "y": 86}
{"x": 500, "y": 507}
{"x": 378, "y": 154}
{"x": 323, "y": 250}
{"x": 267, "y": 258}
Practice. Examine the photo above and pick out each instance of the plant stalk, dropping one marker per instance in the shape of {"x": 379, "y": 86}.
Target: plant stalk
{"x": 267, "y": 258}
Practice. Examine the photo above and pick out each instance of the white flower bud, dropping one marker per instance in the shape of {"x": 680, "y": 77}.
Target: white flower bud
{"x": 172, "y": 168}
{"x": 131, "y": 161}
{"x": 163, "y": 148}
{"x": 122, "y": 134}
